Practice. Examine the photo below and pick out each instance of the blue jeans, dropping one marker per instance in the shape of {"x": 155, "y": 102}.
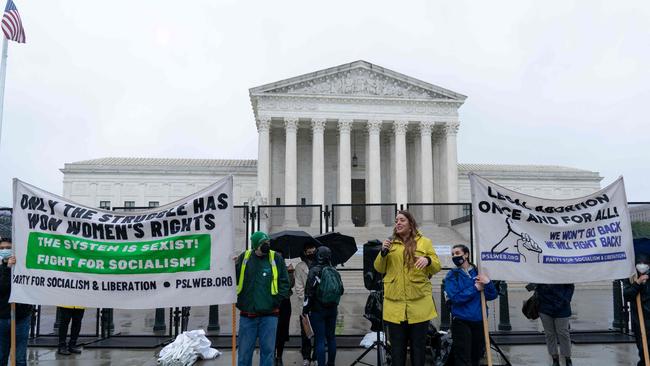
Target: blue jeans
{"x": 250, "y": 329}
{"x": 22, "y": 334}
{"x": 323, "y": 322}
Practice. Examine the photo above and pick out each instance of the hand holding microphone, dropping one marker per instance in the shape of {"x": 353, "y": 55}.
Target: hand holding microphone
{"x": 385, "y": 247}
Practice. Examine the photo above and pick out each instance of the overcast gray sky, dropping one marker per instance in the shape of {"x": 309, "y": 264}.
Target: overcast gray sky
{"x": 552, "y": 82}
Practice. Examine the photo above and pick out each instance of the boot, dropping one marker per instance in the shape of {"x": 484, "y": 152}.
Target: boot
{"x": 63, "y": 350}
{"x": 568, "y": 361}
{"x": 72, "y": 348}
{"x": 556, "y": 361}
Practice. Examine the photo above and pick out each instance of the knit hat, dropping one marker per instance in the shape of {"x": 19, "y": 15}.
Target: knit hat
{"x": 257, "y": 238}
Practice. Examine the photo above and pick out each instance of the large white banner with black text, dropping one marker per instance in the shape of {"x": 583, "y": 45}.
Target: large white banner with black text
{"x": 175, "y": 255}
{"x": 526, "y": 238}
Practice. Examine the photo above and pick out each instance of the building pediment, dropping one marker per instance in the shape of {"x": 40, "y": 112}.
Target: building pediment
{"x": 358, "y": 79}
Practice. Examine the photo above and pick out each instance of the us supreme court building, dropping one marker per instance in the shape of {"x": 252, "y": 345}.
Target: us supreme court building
{"x": 355, "y": 133}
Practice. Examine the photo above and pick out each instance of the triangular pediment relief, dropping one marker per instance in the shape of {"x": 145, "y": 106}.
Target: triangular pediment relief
{"x": 359, "y": 79}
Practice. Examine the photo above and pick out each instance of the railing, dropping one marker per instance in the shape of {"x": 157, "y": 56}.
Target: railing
{"x": 446, "y": 220}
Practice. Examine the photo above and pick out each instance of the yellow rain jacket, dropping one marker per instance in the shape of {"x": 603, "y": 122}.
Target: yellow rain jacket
{"x": 408, "y": 292}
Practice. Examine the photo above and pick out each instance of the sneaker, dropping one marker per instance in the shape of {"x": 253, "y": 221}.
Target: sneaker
{"x": 63, "y": 351}
{"x": 75, "y": 350}
{"x": 306, "y": 363}
{"x": 568, "y": 361}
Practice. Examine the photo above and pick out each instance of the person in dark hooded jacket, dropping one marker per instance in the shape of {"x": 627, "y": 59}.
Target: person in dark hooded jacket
{"x": 554, "y": 312}
{"x": 322, "y": 315}
{"x": 23, "y": 311}
{"x": 633, "y": 287}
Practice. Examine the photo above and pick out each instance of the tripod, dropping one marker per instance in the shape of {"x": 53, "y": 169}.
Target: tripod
{"x": 380, "y": 345}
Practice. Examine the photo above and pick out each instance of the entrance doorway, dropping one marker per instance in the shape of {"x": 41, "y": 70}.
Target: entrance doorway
{"x": 358, "y": 197}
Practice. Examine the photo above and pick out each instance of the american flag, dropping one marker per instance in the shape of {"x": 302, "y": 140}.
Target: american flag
{"x": 12, "y": 26}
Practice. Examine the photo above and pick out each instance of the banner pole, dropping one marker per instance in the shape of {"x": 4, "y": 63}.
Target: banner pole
{"x": 475, "y": 249}
{"x": 644, "y": 337}
{"x": 486, "y": 331}
{"x": 12, "y": 352}
{"x": 234, "y": 335}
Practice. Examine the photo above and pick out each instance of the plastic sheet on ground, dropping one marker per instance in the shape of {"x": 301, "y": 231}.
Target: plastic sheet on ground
{"x": 370, "y": 338}
{"x": 187, "y": 348}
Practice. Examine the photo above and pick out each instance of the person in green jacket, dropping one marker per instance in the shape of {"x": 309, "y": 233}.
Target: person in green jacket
{"x": 262, "y": 284}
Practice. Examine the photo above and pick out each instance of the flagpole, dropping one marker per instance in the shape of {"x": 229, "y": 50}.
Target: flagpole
{"x": 3, "y": 74}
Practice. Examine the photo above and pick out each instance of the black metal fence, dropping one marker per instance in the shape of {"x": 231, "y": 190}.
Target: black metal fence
{"x": 447, "y": 224}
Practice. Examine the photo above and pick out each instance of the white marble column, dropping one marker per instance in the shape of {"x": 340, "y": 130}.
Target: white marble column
{"x": 426, "y": 170}
{"x": 263, "y": 165}
{"x": 345, "y": 174}
{"x": 290, "y": 172}
{"x": 444, "y": 174}
{"x": 263, "y": 156}
{"x": 401, "y": 181}
{"x": 451, "y": 129}
{"x": 437, "y": 172}
{"x": 318, "y": 163}
{"x": 374, "y": 172}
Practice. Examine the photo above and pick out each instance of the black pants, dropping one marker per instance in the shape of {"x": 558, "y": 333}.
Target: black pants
{"x": 468, "y": 342}
{"x": 67, "y": 315}
{"x": 305, "y": 348}
{"x": 282, "y": 332}
{"x": 403, "y": 334}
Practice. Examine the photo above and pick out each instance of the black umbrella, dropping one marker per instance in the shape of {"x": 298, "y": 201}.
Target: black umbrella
{"x": 342, "y": 246}
{"x": 292, "y": 242}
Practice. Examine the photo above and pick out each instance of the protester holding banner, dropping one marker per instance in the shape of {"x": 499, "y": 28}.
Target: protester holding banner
{"x": 69, "y": 315}
{"x": 322, "y": 295}
{"x": 554, "y": 312}
{"x": 23, "y": 312}
{"x": 262, "y": 284}
{"x": 408, "y": 261}
{"x": 302, "y": 270}
{"x": 463, "y": 286}
{"x": 639, "y": 285}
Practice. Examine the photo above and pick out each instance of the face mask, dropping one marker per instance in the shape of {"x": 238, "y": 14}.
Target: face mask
{"x": 5, "y": 253}
{"x": 642, "y": 268}
{"x": 458, "y": 260}
{"x": 265, "y": 248}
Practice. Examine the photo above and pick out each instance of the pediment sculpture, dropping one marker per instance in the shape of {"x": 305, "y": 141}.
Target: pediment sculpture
{"x": 359, "y": 82}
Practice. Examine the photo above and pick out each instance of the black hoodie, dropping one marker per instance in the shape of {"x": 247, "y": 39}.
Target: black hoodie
{"x": 22, "y": 310}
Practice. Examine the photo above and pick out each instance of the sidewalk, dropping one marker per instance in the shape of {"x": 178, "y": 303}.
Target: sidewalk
{"x": 588, "y": 355}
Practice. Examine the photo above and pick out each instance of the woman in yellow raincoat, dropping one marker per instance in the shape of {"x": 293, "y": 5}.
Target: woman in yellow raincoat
{"x": 407, "y": 261}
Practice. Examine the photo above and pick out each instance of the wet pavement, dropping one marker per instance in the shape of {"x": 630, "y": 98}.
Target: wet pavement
{"x": 592, "y": 355}
{"x": 592, "y": 307}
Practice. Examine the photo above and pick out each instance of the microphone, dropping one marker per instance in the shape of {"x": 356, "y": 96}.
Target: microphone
{"x": 384, "y": 251}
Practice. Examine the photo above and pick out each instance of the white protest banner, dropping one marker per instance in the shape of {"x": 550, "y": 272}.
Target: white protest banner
{"x": 531, "y": 239}
{"x": 175, "y": 255}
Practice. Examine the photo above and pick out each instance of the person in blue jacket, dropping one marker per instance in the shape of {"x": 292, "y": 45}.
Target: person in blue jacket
{"x": 554, "y": 312}
{"x": 463, "y": 286}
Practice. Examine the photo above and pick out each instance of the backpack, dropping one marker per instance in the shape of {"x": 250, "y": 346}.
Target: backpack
{"x": 530, "y": 307}
{"x": 330, "y": 288}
